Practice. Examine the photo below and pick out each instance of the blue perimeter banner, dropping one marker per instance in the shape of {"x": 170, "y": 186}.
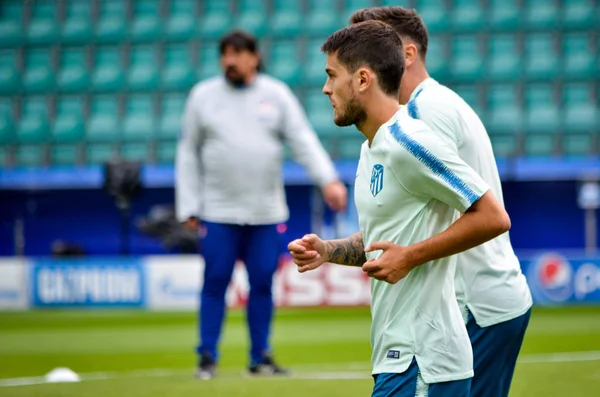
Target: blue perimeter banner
{"x": 87, "y": 282}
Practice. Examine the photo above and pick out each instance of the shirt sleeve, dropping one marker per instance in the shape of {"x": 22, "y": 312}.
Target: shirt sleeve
{"x": 304, "y": 143}
{"x": 427, "y": 164}
{"x": 437, "y": 113}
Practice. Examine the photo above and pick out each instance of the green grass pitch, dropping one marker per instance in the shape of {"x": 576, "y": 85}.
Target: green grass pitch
{"x": 134, "y": 353}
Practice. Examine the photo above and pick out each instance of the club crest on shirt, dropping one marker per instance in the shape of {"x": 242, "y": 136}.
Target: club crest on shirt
{"x": 377, "y": 179}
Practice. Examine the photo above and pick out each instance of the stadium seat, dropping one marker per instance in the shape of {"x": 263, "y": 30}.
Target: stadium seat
{"x": 320, "y": 113}
{"x": 146, "y": 23}
{"x": 11, "y": 23}
{"x": 540, "y": 14}
{"x": 504, "y": 145}
{"x": 143, "y": 69}
{"x": 540, "y": 145}
{"x": 322, "y": 18}
{"x": 43, "y": 25}
{"x": 39, "y": 73}
{"x": 505, "y": 115}
{"x": 467, "y": 15}
{"x": 177, "y": 72}
{"x": 104, "y": 121}
{"x": 64, "y": 155}
{"x": 108, "y": 70}
{"x": 182, "y": 20}
{"x": 139, "y": 123}
{"x": 111, "y": 24}
{"x": 577, "y": 14}
{"x": 135, "y": 151}
{"x": 73, "y": 74}
{"x": 541, "y": 58}
{"x": 505, "y": 15}
{"x": 209, "y": 63}
{"x": 33, "y": 127}
{"x": 68, "y": 123}
{"x": 434, "y": 14}
{"x": 284, "y": 61}
{"x": 504, "y": 58}
{"x": 172, "y": 108}
{"x": 29, "y": 156}
{"x": 349, "y": 144}
{"x": 215, "y": 20}
{"x": 252, "y": 17}
{"x": 4, "y": 156}
{"x": 467, "y": 60}
{"x": 350, "y": 6}
{"x": 165, "y": 152}
{"x": 100, "y": 153}
{"x": 77, "y": 27}
{"x": 579, "y": 109}
{"x": 10, "y": 79}
{"x": 543, "y": 114}
{"x": 314, "y": 64}
{"x": 577, "y": 56}
{"x": 286, "y": 21}
{"x": 7, "y": 125}
{"x": 577, "y": 144}
{"x": 437, "y": 57}
{"x": 470, "y": 94}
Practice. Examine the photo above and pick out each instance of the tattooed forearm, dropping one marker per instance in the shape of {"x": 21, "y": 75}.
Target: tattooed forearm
{"x": 348, "y": 251}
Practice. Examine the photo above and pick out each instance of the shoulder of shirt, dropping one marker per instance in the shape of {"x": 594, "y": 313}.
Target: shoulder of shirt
{"x": 440, "y": 98}
{"x": 272, "y": 84}
{"x": 208, "y": 85}
{"x": 405, "y": 134}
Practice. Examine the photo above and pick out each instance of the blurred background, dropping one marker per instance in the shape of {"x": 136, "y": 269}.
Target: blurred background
{"x": 87, "y": 82}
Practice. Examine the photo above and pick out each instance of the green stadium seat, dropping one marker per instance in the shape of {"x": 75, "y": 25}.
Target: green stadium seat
{"x": 504, "y": 145}
{"x": 577, "y": 55}
{"x": 73, "y": 74}
{"x": 470, "y": 94}
{"x": 139, "y": 123}
{"x": 252, "y": 17}
{"x": 77, "y": 27}
{"x": 43, "y": 26}
{"x": 177, "y": 72}
{"x": 209, "y": 62}
{"x": 11, "y": 23}
{"x": 64, "y": 155}
{"x": 10, "y": 79}
{"x": 467, "y": 15}
{"x": 7, "y": 126}
{"x": 108, "y": 70}
{"x": 434, "y": 13}
{"x": 540, "y": 145}
{"x": 143, "y": 69}
{"x": 172, "y": 108}
{"x": 111, "y": 26}
{"x": 467, "y": 60}
{"x": 314, "y": 64}
{"x": 350, "y": 6}
{"x": 577, "y": 144}
{"x": 137, "y": 151}
{"x": 215, "y": 19}
{"x": 284, "y": 62}
{"x": 4, "y": 156}
{"x": 323, "y": 18}
{"x": 68, "y": 122}
{"x": 504, "y": 58}
{"x": 146, "y": 23}
{"x": 541, "y": 57}
{"x": 33, "y": 127}
{"x": 181, "y": 22}
{"x": 320, "y": 113}
{"x": 104, "y": 121}
{"x": 577, "y": 14}
{"x": 505, "y": 15}
{"x": 543, "y": 115}
{"x": 540, "y": 14}
{"x": 505, "y": 115}
{"x": 166, "y": 152}
{"x": 30, "y": 156}
{"x": 286, "y": 21}
{"x": 437, "y": 57}
{"x": 100, "y": 153}
{"x": 287, "y": 153}
{"x": 39, "y": 74}
{"x": 580, "y": 113}
{"x": 349, "y": 144}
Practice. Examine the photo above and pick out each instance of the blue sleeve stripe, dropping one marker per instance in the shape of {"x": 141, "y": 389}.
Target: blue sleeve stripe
{"x": 433, "y": 163}
{"x": 413, "y": 109}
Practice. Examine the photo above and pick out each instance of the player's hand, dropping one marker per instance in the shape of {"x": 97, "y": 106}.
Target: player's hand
{"x": 336, "y": 196}
{"x": 192, "y": 224}
{"x": 392, "y": 266}
{"x": 308, "y": 252}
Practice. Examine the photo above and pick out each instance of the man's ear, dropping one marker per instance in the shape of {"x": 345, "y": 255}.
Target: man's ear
{"x": 365, "y": 79}
{"x": 411, "y": 53}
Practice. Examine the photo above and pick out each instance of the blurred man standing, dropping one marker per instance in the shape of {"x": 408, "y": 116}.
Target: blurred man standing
{"x": 229, "y": 179}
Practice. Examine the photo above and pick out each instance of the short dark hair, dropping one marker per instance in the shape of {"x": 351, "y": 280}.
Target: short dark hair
{"x": 405, "y": 21}
{"x": 239, "y": 40}
{"x": 373, "y": 44}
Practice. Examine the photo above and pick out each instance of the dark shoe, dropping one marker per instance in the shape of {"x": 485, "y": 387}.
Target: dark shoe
{"x": 267, "y": 367}
{"x": 207, "y": 368}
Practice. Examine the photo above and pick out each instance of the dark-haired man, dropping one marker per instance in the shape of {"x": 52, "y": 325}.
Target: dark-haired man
{"x": 409, "y": 186}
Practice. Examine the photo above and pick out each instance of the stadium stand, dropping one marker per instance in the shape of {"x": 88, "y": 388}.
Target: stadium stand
{"x": 81, "y": 82}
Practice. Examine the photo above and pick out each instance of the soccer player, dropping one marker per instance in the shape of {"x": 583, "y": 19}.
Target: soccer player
{"x": 228, "y": 180}
{"x": 410, "y": 183}
{"x": 491, "y": 289}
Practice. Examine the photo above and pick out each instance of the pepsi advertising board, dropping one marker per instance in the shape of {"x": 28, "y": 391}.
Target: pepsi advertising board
{"x": 556, "y": 280}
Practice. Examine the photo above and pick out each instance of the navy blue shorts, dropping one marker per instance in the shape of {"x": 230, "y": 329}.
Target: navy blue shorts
{"x": 410, "y": 384}
{"x": 495, "y": 352}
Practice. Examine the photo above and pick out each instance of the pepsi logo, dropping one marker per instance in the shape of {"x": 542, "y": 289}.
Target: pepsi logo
{"x": 551, "y": 278}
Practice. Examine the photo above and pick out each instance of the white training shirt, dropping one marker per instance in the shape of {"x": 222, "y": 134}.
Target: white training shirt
{"x": 489, "y": 280}
{"x": 409, "y": 185}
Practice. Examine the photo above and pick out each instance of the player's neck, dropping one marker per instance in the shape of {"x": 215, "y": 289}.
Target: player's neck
{"x": 378, "y": 113}
{"x": 411, "y": 80}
